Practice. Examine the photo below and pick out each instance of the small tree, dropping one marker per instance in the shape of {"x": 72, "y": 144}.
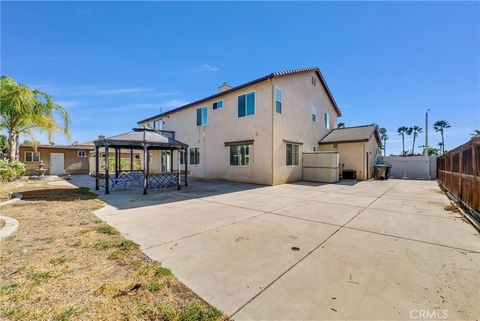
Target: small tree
{"x": 23, "y": 110}
{"x": 402, "y": 131}
{"x": 475, "y": 133}
{"x": 341, "y": 125}
{"x": 415, "y": 130}
{"x": 440, "y": 126}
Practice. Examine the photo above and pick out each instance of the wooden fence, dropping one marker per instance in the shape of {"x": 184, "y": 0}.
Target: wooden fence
{"x": 459, "y": 172}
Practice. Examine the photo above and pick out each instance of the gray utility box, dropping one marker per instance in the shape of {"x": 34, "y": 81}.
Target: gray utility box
{"x": 320, "y": 167}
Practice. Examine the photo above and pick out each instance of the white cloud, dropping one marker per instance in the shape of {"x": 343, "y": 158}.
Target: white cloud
{"x": 69, "y": 103}
{"x": 204, "y": 68}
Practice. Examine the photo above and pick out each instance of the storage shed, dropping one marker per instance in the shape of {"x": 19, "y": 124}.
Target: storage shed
{"x": 357, "y": 147}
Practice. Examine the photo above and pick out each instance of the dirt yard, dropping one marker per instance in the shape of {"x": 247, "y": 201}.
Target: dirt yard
{"x": 64, "y": 263}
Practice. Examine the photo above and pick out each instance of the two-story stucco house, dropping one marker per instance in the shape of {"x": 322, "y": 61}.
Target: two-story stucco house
{"x": 255, "y": 132}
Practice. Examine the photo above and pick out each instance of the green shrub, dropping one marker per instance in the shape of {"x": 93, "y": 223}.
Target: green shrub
{"x": 11, "y": 170}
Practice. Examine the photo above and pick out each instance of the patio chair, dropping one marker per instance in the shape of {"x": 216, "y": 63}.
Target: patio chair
{"x": 136, "y": 178}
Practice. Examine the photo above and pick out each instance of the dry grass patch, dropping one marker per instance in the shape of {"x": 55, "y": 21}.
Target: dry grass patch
{"x": 64, "y": 263}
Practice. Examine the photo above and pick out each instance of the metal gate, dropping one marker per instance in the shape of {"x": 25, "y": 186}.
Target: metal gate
{"x": 410, "y": 167}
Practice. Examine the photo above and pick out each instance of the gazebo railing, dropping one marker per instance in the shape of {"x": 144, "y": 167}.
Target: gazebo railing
{"x": 165, "y": 179}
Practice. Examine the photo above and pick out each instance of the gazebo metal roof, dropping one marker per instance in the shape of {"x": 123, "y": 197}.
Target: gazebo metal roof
{"x": 140, "y": 137}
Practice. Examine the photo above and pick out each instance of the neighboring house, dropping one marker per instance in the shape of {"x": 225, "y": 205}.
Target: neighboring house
{"x": 357, "y": 147}
{"x": 58, "y": 159}
{"x": 255, "y": 132}
{"x": 126, "y": 155}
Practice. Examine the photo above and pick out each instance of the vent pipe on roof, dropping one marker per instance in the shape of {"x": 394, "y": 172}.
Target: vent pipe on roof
{"x": 224, "y": 87}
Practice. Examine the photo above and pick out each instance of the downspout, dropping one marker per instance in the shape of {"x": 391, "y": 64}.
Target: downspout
{"x": 273, "y": 130}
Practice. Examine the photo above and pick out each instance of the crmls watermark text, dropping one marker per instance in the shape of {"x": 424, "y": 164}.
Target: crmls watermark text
{"x": 422, "y": 314}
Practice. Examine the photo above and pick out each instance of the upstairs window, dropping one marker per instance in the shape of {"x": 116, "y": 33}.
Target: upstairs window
{"x": 240, "y": 155}
{"x": 314, "y": 113}
{"x": 314, "y": 81}
{"x": 32, "y": 156}
{"x": 81, "y": 153}
{"x": 217, "y": 104}
{"x": 246, "y": 105}
{"x": 202, "y": 116}
{"x": 278, "y": 100}
{"x": 326, "y": 120}
{"x": 194, "y": 155}
{"x": 293, "y": 152}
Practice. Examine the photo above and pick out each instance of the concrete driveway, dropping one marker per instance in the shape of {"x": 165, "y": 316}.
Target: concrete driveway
{"x": 373, "y": 250}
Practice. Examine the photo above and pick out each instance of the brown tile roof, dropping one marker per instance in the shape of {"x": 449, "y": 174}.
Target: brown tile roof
{"x": 269, "y": 76}
{"x": 351, "y": 134}
{"x": 79, "y": 146}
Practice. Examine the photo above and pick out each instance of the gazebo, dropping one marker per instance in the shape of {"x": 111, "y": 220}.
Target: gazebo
{"x": 146, "y": 140}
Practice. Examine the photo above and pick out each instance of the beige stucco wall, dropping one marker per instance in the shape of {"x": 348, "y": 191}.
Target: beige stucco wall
{"x": 225, "y": 126}
{"x": 353, "y": 156}
{"x": 73, "y": 163}
{"x": 295, "y": 122}
{"x": 268, "y": 152}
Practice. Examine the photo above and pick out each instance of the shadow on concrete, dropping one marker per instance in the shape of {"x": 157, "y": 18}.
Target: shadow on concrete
{"x": 132, "y": 197}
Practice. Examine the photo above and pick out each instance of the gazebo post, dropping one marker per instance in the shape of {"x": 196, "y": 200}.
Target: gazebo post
{"x": 97, "y": 183}
{"x": 131, "y": 159}
{"x": 178, "y": 167}
{"x": 145, "y": 169}
{"x": 185, "y": 158}
{"x": 107, "y": 178}
{"x": 116, "y": 162}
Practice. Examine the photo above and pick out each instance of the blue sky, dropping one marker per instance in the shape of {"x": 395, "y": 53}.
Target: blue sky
{"x": 114, "y": 63}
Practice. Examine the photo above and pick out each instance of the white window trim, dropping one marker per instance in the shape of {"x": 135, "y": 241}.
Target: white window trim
{"x": 188, "y": 160}
{"x": 249, "y": 155}
{"x": 275, "y": 100}
{"x": 201, "y": 125}
{"x": 316, "y": 113}
{"x": 217, "y": 101}
{"x": 32, "y": 161}
{"x": 326, "y": 120}
{"x": 84, "y": 151}
{"x": 299, "y": 153}
{"x": 254, "y": 102}
{"x": 184, "y": 152}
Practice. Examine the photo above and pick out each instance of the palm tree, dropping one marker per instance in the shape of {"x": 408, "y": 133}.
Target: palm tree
{"x": 475, "y": 133}
{"x": 440, "y": 126}
{"x": 415, "y": 130}
{"x": 384, "y": 138}
{"x": 402, "y": 131}
{"x": 23, "y": 110}
{"x": 341, "y": 125}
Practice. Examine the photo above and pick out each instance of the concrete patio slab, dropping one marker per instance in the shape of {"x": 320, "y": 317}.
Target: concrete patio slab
{"x": 256, "y": 201}
{"x": 424, "y": 228}
{"x": 230, "y": 265}
{"x": 399, "y": 252}
{"x": 331, "y": 213}
{"x": 155, "y": 225}
{"x": 363, "y": 276}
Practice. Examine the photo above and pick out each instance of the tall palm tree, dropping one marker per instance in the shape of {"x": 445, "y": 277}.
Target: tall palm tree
{"x": 402, "y": 131}
{"x": 384, "y": 139}
{"x": 23, "y": 110}
{"x": 341, "y": 125}
{"x": 440, "y": 126}
{"x": 475, "y": 133}
{"x": 415, "y": 130}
